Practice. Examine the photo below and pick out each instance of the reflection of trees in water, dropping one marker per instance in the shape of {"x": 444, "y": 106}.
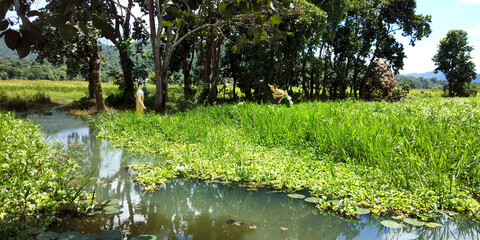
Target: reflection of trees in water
{"x": 197, "y": 210}
{"x": 452, "y": 229}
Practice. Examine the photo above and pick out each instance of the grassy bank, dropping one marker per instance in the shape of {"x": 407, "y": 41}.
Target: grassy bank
{"x": 417, "y": 157}
{"x": 60, "y": 92}
{"x": 36, "y": 180}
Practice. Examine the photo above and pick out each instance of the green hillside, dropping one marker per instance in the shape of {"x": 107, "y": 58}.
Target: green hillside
{"x": 11, "y": 67}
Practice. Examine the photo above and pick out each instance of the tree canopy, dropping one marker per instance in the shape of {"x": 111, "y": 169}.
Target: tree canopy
{"x": 454, "y": 59}
{"x": 325, "y": 47}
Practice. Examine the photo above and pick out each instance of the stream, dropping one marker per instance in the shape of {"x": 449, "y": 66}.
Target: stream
{"x": 187, "y": 209}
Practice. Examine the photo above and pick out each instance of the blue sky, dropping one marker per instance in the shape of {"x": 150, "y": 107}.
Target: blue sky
{"x": 446, "y": 15}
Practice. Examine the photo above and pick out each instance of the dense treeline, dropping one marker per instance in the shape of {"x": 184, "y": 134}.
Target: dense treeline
{"x": 326, "y": 48}
{"x": 421, "y": 82}
{"x": 11, "y": 67}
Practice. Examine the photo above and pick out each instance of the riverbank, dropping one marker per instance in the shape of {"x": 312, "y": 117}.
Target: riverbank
{"x": 37, "y": 179}
{"x": 413, "y": 158}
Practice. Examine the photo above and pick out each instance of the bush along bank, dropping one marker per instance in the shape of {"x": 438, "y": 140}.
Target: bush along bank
{"x": 37, "y": 180}
{"x": 414, "y": 158}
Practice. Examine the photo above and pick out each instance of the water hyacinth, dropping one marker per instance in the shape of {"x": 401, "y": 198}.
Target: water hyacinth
{"x": 414, "y": 157}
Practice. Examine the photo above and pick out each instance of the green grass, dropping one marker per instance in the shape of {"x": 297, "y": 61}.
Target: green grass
{"x": 36, "y": 180}
{"x": 417, "y": 157}
{"x": 59, "y": 92}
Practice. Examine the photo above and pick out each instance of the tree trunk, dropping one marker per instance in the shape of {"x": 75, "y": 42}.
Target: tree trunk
{"x": 94, "y": 67}
{"x": 186, "y": 67}
{"x": 91, "y": 87}
{"x": 325, "y": 77}
{"x": 312, "y": 77}
{"x": 157, "y": 61}
{"x": 212, "y": 96}
{"x": 304, "y": 73}
{"x": 354, "y": 79}
{"x": 127, "y": 65}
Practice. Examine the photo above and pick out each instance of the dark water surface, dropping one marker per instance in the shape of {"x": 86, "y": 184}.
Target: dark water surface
{"x": 185, "y": 209}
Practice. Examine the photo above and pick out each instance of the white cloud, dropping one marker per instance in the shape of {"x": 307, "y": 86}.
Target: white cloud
{"x": 476, "y": 55}
{"x": 475, "y": 31}
{"x": 470, "y": 1}
{"x": 419, "y": 58}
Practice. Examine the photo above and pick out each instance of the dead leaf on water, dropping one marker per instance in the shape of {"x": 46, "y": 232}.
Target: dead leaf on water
{"x": 284, "y": 228}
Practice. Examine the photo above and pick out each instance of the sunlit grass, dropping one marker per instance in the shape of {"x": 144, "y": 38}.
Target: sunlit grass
{"x": 59, "y": 92}
{"x": 416, "y": 157}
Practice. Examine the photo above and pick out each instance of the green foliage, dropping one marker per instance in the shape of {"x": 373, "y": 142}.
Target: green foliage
{"x": 455, "y": 61}
{"x": 29, "y": 70}
{"x": 383, "y": 156}
{"x": 399, "y": 92}
{"x": 36, "y": 179}
{"x": 421, "y": 82}
{"x": 22, "y": 95}
{"x": 22, "y": 102}
{"x": 83, "y": 103}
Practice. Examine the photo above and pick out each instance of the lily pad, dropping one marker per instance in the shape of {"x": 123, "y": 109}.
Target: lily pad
{"x": 296, "y": 196}
{"x": 413, "y": 222}
{"x": 145, "y": 237}
{"x": 391, "y": 224}
{"x": 113, "y": 213}
{"x": 48, "y": 235}
{"x": 433, "y": 224}
{"x": 114, "y": 202}
{"x": 111, "y": 208}
{"x": 69, "y": 235}
{"x": 110, "y": 235}
{"x": 89, "y": 237}
{"x": 270, "y": 192}
{"x": 362, "y": 211}
{"x": 313, "y": 200}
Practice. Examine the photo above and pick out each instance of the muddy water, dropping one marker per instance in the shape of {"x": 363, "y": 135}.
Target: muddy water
{"x": 185, "y": 209}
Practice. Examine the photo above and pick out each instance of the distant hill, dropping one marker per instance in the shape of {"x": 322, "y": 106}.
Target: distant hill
{"x": 11, "y": 67}
{"x": 439, "y": 76}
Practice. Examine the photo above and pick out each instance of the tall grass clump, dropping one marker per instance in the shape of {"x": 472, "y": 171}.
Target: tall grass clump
{"x": 415, "y": 157}
{"x": 36, "y": 180}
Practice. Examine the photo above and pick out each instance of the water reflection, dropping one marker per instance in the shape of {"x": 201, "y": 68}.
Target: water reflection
{"x": 185, "y": 209}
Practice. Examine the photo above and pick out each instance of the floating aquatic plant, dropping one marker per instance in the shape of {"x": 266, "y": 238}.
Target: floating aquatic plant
{"x": 391, "y": 224}
{"x": 413, "y": 222}
{"x": 296, "y": 196}
{"x": 384, "y": 156}
{"x": 313, "y": 200}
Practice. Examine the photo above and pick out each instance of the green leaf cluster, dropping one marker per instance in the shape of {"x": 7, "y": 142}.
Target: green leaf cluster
{"x": 36, "y": 179}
